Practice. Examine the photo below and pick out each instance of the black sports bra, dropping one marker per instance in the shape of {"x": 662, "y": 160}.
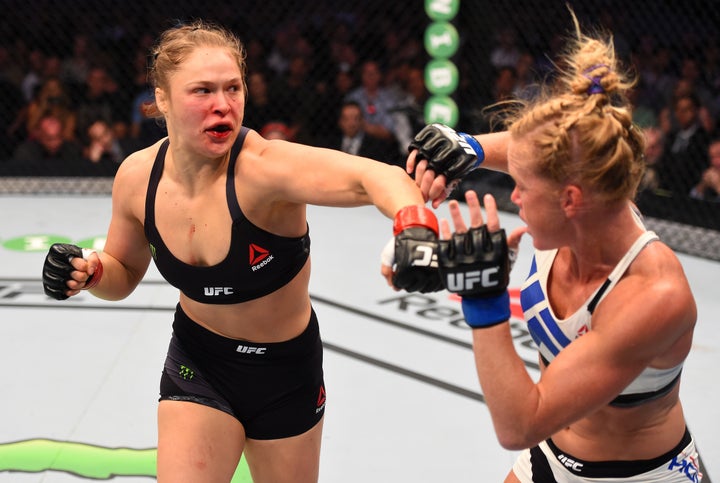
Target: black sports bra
{"x": 257, "y": 264}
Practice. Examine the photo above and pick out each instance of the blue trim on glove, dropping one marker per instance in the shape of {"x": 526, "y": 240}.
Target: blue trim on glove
{"x": 485, "y": 312}
{"x": 479, "y": 151}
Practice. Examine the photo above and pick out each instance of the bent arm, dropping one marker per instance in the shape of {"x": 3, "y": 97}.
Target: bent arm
{"x": 126, "y": 255}
{"x": 586, "y": 375}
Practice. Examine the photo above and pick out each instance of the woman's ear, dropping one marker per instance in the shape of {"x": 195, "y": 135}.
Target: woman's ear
{"x": 571, "y": 200}
{"x": 161, "y": 101}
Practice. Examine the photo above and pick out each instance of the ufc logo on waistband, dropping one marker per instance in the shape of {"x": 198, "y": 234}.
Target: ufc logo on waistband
{"x": 246, "y": 349}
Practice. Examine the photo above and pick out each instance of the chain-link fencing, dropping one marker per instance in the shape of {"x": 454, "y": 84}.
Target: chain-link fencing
{"x": 84, "y": 64}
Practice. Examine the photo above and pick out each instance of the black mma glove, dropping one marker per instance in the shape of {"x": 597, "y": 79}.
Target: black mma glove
{"x": 448, "y": 152}
{"x": 416, "y": 232}
{"x": 476, "y": 266}
{"x": 57, "y": 269}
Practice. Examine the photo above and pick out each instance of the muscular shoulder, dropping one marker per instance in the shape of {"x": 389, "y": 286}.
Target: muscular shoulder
{"x": 653, "y": 300}
{"x": 658, "y": 269}
{"x": 137, "y": 166}
{"x": 265, "y": 167}
{"x": 131, "y": 181}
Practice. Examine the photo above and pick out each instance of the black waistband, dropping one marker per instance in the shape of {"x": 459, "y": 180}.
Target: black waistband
{"x": 193, "y": 335}
{"x": 618, "y": 469}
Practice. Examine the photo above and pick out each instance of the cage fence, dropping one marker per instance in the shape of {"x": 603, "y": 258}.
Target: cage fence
{"x": 85, "y": 61}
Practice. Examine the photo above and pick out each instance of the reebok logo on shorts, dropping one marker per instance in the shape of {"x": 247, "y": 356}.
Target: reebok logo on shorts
{"x": 259, "y": 257}
{"x": 320, "y": 400}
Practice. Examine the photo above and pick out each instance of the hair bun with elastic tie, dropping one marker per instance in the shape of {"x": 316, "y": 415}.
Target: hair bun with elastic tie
{"x": 595, "y": 87}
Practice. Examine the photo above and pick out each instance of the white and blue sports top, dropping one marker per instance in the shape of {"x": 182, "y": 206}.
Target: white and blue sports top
{"x": 551, "y": 334}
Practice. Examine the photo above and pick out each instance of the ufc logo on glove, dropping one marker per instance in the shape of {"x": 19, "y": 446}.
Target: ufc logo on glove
{"x": 468, "y": 281}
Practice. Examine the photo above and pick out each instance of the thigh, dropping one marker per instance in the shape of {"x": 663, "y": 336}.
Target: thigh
{"x": 288, "y": 460}
{"x": 196, "y": 443}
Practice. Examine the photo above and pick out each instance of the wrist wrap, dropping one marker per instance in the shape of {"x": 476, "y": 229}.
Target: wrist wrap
{"x": 475, "y": 145}
{"x": 486, "y": 312}
{"x": 415, "y": 216}
{"x": 415, "y": 250}
{"x": 94, "y": 279}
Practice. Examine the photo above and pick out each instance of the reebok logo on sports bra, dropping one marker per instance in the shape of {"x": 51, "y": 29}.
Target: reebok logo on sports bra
{"x": 259, "y": 257}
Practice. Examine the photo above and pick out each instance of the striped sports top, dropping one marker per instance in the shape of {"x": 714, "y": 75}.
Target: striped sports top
{"x": 551, "y": 334}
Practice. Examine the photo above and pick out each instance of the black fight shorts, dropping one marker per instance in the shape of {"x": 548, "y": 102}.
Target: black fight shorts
{"x": 276, "y": 390}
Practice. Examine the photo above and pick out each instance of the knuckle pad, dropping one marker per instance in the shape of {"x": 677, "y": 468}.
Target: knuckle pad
{"x": 57, "y": 269}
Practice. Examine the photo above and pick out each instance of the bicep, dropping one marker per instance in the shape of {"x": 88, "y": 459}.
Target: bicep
{"x": 126, "y": 247}
{"x": 585, "y": 376}
{"x": 626, "y": 338}
{"x": 319, "y": 176}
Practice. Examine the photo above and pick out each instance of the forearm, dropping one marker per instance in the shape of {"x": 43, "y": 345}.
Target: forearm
{"x": 495, "y": 147}
{"x": 118, "y": 281}
{"x": 510, "y": 393}
{"x": 391, "y": 189}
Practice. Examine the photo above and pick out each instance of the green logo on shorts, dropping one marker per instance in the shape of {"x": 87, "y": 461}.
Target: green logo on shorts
{"x": 186, "y": 373}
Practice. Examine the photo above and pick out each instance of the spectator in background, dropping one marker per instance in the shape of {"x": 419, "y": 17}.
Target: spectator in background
{"x": 668, "y": 119}
{"x": 256, "y": 53}
{"x": 690, "y": 72}
{"x": 503, "y": 88}
{"x": 685, "y": 152}
{"x": 657, "y": 78}
{"x": 412, "y": 103}
{"x": 506, "y": 52}
{"x": 104, "y": 147}
{"x": 485, "y": 117}
{"x": 294, "y": 97}
{"x": 526, "y": 82}
{"x": 74, "y": 68}
{"x": 96, "y": 100}
{"x": 52, "y": 99}
{"x": 283, "y": 48}
{"x": 343, "y": 53}
{"x": 47, "y": 143}
{"x": 144, "y": 130}
{"x": 260, "y": 107}
{"x": 709, "y": 186}
{"x": 375, "y": 101}
{"x": 10, "y": 70}
{"x": 353, "y": 139}
{"x": 11, "y": 134}
{"x": 276, "y": 130}
{"x": 654, "y": 144}
{"x": 333, "y": 95}
{"x": 33, "y": 76}
{"x": 52, "y": 68}
{"x": 644, "y": 115}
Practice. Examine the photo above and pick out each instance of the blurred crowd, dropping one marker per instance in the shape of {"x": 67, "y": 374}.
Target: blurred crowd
{"x": 342, "y": 80}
